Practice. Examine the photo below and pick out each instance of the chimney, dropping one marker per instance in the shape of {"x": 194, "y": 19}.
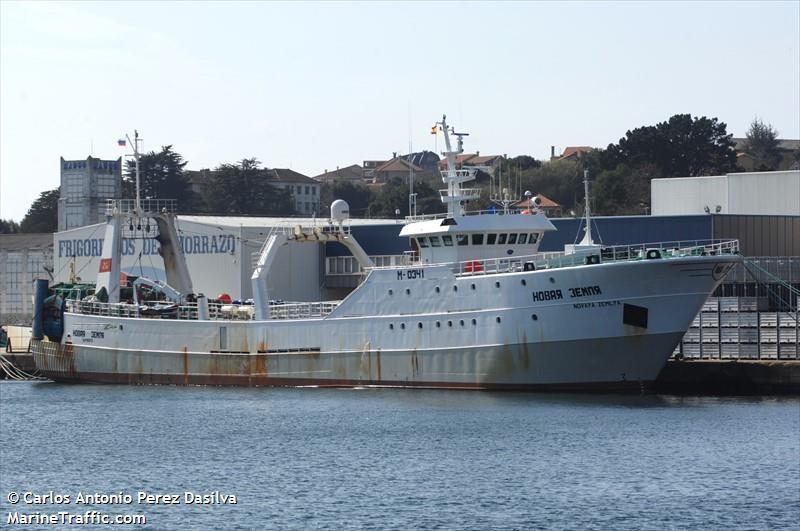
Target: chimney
{"x": 552, "y": 152}
{"x": 394, "y": 154}
{"x": 477, "y": 153}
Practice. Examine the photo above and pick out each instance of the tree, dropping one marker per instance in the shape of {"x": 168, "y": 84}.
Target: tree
{"x": 8, "y": 226}
{"x": 42, "y": 216}
{"x": 680, "y": 147}
{"x": 357, "y": 195}
{"x": 243, "y": 189}
{"x": 763, "y": 145}
{"x": 162, "y": 177}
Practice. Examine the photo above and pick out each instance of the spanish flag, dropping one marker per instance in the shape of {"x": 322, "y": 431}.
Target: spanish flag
{"x": 433, "y": 129}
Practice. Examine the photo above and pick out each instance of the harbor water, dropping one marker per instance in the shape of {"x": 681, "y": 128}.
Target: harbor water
{"x": 403, "y": 459}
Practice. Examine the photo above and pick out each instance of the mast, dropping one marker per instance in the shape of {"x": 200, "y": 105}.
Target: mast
{"x": 587, "y": 238}
{"x": 137, "y": 207}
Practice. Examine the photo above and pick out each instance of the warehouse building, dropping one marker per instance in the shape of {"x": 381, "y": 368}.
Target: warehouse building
{"x": 756, "y": 193}
{"x": 23, "y": 258}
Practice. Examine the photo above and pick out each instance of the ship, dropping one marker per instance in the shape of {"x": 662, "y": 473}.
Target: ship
{"x": 475, "y": 306}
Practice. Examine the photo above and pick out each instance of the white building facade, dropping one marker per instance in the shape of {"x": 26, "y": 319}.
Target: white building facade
{"x": 754, "y": 193}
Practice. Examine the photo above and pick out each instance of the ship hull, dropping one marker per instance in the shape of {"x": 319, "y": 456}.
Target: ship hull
{"x": 607, "y": 327}
{"x": 611, "y": 364}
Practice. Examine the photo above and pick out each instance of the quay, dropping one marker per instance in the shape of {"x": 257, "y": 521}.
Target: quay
{"x": 729, "y": 377}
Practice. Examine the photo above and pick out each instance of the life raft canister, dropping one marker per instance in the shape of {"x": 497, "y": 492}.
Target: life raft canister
{"x": 473, "y": 266}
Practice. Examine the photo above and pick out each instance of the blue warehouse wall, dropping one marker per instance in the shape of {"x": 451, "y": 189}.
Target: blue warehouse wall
{"x": 385, "y": 240}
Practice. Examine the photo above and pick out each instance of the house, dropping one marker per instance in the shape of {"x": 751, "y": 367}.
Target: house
{"x": 570, "y": 153}
{"x": 396, "y": 167}
{"x": 352, "y": 173}
{"x": 303, "y": 189}
{"x": 488, "y": 163}
{"x": 550, "y": 208}
{"x": 789, "y": 149}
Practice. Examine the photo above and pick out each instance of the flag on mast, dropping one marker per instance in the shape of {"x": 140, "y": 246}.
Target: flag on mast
{"x": 122, "y": 142}
{"x": 433, "y": 129}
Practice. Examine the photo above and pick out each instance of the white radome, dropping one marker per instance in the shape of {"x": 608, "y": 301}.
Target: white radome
{"x": 340, "y": 210}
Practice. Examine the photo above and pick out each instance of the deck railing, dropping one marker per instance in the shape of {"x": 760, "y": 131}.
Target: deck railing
{"x": 244, "y": 312}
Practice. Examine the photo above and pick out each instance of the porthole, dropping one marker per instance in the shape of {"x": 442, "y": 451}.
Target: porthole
{"x": 403, "y": 326}
{"x": 472, "y": 286}
{"x": 535, "y": 317}
{"x": 419, "y": 325}
{"x": 461, "y": 322}
{"x": 524, "y": 282}
{"x": 408, "y": 291}
{"x": 437, "y": 289}
{"x": 391, "y": 327}
{"x": 552, "y": 280}
{"x": 497, "y": 319}
{"x": 450, "y": 323}
{"x": 455, "y": 288}
{"x": 390, "y": 292}
{"x": 497, "y": 284}
{"x": 438, "y": 324}
{"x": 474, "y": 322}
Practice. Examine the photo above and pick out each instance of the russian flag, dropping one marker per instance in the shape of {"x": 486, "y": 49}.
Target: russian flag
{"x": 122, "y": 142}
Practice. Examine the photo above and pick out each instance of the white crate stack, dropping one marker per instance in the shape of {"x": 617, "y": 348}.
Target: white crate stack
{"x": 733, "y": 328}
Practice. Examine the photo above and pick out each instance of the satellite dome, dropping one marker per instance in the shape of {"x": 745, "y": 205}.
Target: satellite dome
{"x": 340, "y": 210}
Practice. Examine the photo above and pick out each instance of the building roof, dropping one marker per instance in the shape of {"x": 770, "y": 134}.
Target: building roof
{"x": 286, "y": 175}
{"x": 574, "y": 151}
{"x": 783, "y": 143}
{"x": 23, "y": 240}
{"x": 398, "y": 164}
{"x": 471, "y": 159}
{"x": 352, "y": 172}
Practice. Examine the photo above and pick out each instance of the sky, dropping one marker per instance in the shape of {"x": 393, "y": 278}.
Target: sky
{"x": 312, "y": 86}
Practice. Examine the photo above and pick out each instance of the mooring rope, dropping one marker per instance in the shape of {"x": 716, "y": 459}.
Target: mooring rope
{"x": 15, "y": 373}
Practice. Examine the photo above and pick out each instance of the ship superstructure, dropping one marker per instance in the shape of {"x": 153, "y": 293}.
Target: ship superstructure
{"x": 476, "y": 307}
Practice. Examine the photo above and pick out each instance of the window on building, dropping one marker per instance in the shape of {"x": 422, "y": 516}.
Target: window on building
{"x": 307, "y": 192}
{"x": 313, "y": 190}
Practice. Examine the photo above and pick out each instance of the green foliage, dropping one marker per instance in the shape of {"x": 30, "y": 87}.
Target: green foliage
{"x": 357, "y": 195}
{"x": 763, "y": 145}
{"x": 8, "y": 226}
{"x": 394, "y": 196}
{"x": 560, "y": 180}
{"x": 42, "y": 216}
{"x": 162, "y": 177}
{"x": 680, "y": 147}
{"x": 243, "y": 189}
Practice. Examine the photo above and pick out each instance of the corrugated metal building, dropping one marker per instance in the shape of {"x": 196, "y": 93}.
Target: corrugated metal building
{"x": 756, "y": 193}
{"x": 23, "y": 258}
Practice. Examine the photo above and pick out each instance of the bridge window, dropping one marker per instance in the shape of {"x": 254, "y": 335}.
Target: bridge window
{"x": 512, "y": 239}
{"x": 534, "y": 238}
{"x": 435, "y": 241}
{"x": 477, "y": 239}
{"x": 491, "y": 239}
{"x": 422, "y": 241}
{"x": 462, "y": 239}
{"x": 501, "y": 240}
{"x": 523, "y": 239}
{"x": 447, "y": 240}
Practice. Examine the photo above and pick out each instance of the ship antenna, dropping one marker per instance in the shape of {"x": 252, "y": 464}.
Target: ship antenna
{"x": 137, "y": 201}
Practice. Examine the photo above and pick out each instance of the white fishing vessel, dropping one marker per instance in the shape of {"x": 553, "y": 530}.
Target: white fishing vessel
{"x": 476, "y": 307}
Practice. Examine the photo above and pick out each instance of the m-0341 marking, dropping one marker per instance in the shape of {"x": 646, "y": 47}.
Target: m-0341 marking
{"x": 410, "y": 274}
